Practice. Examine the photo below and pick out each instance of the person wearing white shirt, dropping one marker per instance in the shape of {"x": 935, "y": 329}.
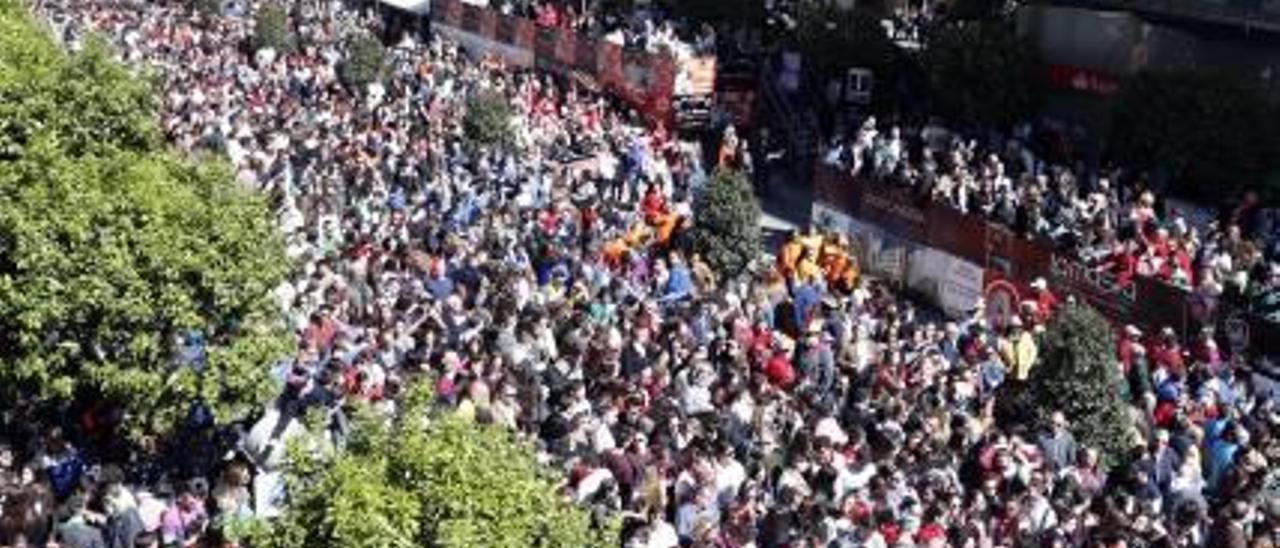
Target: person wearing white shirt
{"x": 730, "y": 475}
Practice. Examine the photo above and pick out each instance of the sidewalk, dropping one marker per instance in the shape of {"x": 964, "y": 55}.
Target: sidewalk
{"x": 785, "y": 201}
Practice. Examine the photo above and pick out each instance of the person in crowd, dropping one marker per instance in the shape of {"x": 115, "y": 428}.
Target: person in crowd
{"x": 800, "y": 403}
{"x": 1115, "y": 225}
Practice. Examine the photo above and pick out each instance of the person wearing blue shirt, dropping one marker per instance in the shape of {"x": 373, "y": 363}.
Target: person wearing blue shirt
{"x": 1222, "y": 453}
{"x": 679, "y": 282}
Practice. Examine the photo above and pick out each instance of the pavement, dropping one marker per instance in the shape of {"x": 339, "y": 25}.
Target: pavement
{"x": 785, "y": 201}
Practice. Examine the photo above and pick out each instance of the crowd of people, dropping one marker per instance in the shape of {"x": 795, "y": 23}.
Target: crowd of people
{"x": 551, "y": 288}
{"x": 645, "y": 29}
{"x": 1111, "y": 221}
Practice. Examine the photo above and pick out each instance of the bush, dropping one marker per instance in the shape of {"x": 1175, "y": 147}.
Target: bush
{"x": 726, "y": 228}
{"x": 271, "y": 28}
{"x": 364, "y": 62}
{"x": 1079, "y": 376}
{"x": 487, "y": 122}
{"x": 457, "y": 484}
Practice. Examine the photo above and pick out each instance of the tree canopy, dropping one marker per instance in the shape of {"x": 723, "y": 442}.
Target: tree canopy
{"x": 981, "y": 73}
{"x": 364, "y": 64}
{"x": 115, "y": 254}
{"x": 271, "y": 28}
{"x": 1078, "y": 375}
{"x": 1214, "y": 133}
{"x": 832, "y": 40}
{"x": 487, "y": 122}
{"x": 455, "y": 483}
{"x": 727, "y": 227}
{"x": 83, "y": 103}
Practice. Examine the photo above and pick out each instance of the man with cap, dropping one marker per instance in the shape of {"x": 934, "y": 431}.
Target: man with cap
{"x": 1044, "y": 302}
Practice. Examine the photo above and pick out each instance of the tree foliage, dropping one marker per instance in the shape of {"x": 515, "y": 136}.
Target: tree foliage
{"x": 83, "y": 102}
{"x": 981, "y": 72}
{"x": 455, "y": 483}
{"x": 111, "y": 248}
{"x": 727, "y": 227}
{"x": 271, "y": 28}
{"x": 1078, "y": 375}
{"x": 1209, "y": 130}
{"x": 487, "y": 122}
{"x": 364, "y": 62}
{"x": 712, "y": 11}
{"x": 833, "y": 40}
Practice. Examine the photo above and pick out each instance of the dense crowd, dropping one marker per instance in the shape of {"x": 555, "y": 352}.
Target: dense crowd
{"x": 1112, "y": 221}
{"x": 633, "y": 28}
{"x": 550, "y": 289}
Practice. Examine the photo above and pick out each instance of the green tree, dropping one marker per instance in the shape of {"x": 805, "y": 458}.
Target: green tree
{"x": 833, "y": 40}
{"x": 1203, "y": 129}
{"x": 487, "y": 122}
{"x": 364, "y": 62}
{"x": 1078, "y": 375}
{"x": 726, "y": 229}
{"x": 84, "y": 102}
{"x": 271, "y": 28}
{"x": 455, "y": 483}
{"x": 111, "y": 248}
{"x": 981, "y": 72}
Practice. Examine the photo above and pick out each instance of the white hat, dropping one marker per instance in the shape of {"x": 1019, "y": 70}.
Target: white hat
{"x": 1039, "y": 283}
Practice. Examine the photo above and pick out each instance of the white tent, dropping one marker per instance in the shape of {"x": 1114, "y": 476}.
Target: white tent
{"x": 420, "y": 7}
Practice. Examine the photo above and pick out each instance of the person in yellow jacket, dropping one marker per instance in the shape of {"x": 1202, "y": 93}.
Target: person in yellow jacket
{"x": 637, "y": 236}
{"x": 812, "y": 242}
{"x": 1018, "y": 350}
{"x": 807, "y": 270}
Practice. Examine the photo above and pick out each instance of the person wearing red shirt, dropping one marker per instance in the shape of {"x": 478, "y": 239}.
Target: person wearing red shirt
{"x": 778, "y": 369}
{"x": 1166, "y": 352}
{"x": 1180, "y": 260}
{"x": 653, "y": 204}
{"x": 1045, "y": 301}
{"x": 549, "y": 219}
{"x": 1122, "y": 264}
